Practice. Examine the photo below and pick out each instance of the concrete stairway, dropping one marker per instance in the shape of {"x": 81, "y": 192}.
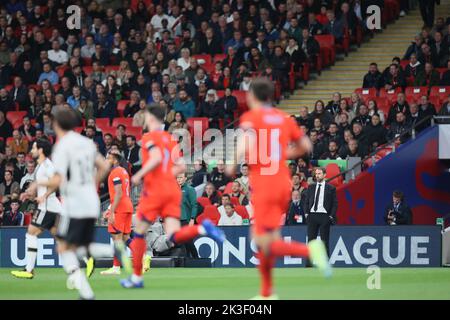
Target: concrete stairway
{"x": 347, "y": 74}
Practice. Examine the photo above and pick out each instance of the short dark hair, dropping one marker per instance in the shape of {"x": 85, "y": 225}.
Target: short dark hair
{"x": 45, "y": 145}
{"x": 324, "y": 171}
{"x": 117, "y": 156}
{"x": 131, "y": 137}
{"x": 226, "y": 195}
{"x": 398, "y": 194}
{"x": 156, "y": 111}
{"x": 262, "y": 89}
{"x": 66, "y": 118}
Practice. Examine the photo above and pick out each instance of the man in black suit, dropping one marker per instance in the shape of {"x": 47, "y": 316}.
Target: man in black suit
{"x": 398, "y": 212}
{"x": 19, "y": 93}
{"x": 427, "y": 11}
{"x": 320, "y": 206}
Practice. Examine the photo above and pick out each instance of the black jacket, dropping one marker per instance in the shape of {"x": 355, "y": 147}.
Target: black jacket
{"x": 295, "y": 214}
{"x": 330, "y": 202}
{"x": 372, "y": 80}
{"x": 403, "y": 215}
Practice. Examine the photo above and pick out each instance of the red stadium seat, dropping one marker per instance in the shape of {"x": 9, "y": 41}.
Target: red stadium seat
{"x": 88, "y": 70}
{"x": 333, "y": 170}
{"x": 390, "y": 94}
{"x": 56, "y": 87}
{"x": 441, "y": 92}
{"x": 416, "y": 92}
{"x": 441, "y": 71}
{"x": 15, "y": 116}
{"x": 127, "y": 122}
{"x": 103, "y": 123}
{"x": 365, "y": 94}
{"x": 228, "y": 188}
{"x": 436, "y": 102}
{"x": 219, "y": 57}
{"x": 121, "y": 105}
{"x": 404, "y": 63}
{"x": 242, "y": 100}
{"x": 87, "y": 61}
{"x": 78, "y": 129}
{"x": 210, "y": 212}
{"x": 135, "y": 131}
{"x": 234, "y": 201}
{"x": 200, "y": 121}
{"x": 60, "y": 70}
{"x": 204, "y": 201}
{"x": 205, "y": 57}
{"x": 242, "y": 211}
{"x": 328, "y": 48}
{"x": 27, "y": 218}
{"x": 110, "y": 130}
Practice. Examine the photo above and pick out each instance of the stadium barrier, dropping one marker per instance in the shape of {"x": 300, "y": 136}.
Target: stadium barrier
{"x": 350, "y": 246}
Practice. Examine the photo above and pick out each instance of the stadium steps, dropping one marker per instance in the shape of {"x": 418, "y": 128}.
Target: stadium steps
{"x": 348, "y": 72}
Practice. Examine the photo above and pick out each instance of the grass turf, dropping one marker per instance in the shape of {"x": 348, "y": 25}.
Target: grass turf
{"x": 238, "y": 283}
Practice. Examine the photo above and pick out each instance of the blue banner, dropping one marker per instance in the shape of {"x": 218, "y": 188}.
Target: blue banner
{"x": 350, "y": 246}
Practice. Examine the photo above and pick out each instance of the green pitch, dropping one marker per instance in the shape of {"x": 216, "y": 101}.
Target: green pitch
{"x": 183, "y": 283}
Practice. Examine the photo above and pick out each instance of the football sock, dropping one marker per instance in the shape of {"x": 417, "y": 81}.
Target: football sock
{"x": 265, "y": 266}
{"x": 116, "y": 262}
{"x": 72, "y": 268}
{"x": 186, "y": 233}
{"x": 138, "y": 247}
{"x": 31, "y": 244}
{"x": 128, "y": 242}
{"x": 279, "y": 248}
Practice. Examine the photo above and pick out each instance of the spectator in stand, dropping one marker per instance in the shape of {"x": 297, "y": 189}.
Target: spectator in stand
{"x": 394, "y": 78}
{"x": 445, "y": 109}
{"x": 21, "y": 166}
{"x": 27, "y": 129}
{"x": 244, "y": 180}
{"x": 133, "y": 154}
{"x": 376, "y": 133}
{"x": 184, "y": 104}
{"x": 319, "y": 112}
{"x": 139, "y": 116}
{"x": 178, "y": 123}
{"x": 48, "y": 74}
{"x": 211, "y": 193}
{"x": 427, "y": 77}
{"x": 104, "y": 107}
{"x": 231, "y": 218}
{"x": 29, "y": 176}
{"x": 428, "y": 55}
{"x": 441, "y": 49}
{"x": 2, "y": 213}
{"x": 332, "y": 153}
{"x": 8, "y": 187}
{"x": 90, "y": 134}
{"x": 218, "y": 176}
{"x": 121, "y": 137}
{"x": 236, "y": 192}
{"x": 445, "y": 81}
{"x": 414, "y": 48}
{"x": 296, "y": 54}
{"x": 349, "y": 18}
{"x": 303, "y": 118}
{"x": 398, "y": 212}
{"x": 56, "y": 55}
{"x": 19, "y": 93}
{"x": 295, "y": 214}
{"x": 334, "y": 26}
{"x": 373, "y": 78}
{"x": 399, "y": 127}
{"x": 400, "y": 106}
{"x": 85, "y": 109}
{"x": 359, "y": 134}
{"x": 200, "y": 175}
{"x": 13, "y": 217}
{"x": 224, "y": 200}
{"x": 415, "y": 116}
{"x": 227, "y": 105}
{"x": 210, "y": 109}
{"x": 413, "y": 68}
{"x": 363, "y": 117}
{"x": 19, "y": 143}
{"x": 351, "y": 149}
{"x": 108, "y": 141}
{"x": 317, "y": 147}
{"x": 333, "y": 106}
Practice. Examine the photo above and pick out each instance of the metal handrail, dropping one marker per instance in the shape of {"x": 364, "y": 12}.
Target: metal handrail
{"x": 373, "y": 153}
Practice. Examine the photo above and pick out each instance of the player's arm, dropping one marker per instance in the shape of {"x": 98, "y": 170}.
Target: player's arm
{"x": 245, "y": 142}
{"x": 155, "y": 158}
{"x": 102, "y": 166}
{"x": 117, "y": 196}
{"x": 51, "y": 184}
{"x": 299, "y": 147}
{"x": 179, "y": 165}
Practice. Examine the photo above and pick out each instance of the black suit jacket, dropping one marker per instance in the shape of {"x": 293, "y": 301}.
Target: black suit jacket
{"x": 329, "y": 200}
{"x": 402, "y": 216}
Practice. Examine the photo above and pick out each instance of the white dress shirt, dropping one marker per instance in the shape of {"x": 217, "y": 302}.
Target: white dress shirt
{"x": 234, "y": 220}
{"x": 320, "y": 207}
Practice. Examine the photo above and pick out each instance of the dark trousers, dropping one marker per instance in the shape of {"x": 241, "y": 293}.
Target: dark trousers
{"x": 191, "y": 250}
{"x": 427, "y": 12}
{"x": 319, "y": 223}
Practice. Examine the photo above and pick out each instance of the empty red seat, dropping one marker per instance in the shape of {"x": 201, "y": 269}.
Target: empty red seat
{"x": 390, "y": 94}
{"x": 404, "y": 63}
{"x": 207, "y": 59}
{"x": 416, "y": 92}
{"x": 219, "y": 57}
{"x": 241, "y": 97}
{"x": 110, "y": 130}
{"x": 228, "y": 188}
{"x": 368, "y": 93}
{"x": 135, "y": 131}
{"x": 209, "y": 212}
{"x": 27, "y": 218}
{"x": 87, "y": 61}
{"x": 199, "y": 122}
{"x": 60, "y": 70}
{"x": 204, "y": 201}
{"x": 327, "y": 47}
{"x": 441, "y": 92}
{"x": 88, "y": 70}
{"x": 333, "y": 170}
{"x": 103, "y": 123}
{"x": 242, "y": 211}
{"x": 234, "y": 201}
{"x": 127, "y": 122}
{"x": 15, "y": 116}
{"x": 121, "y": 104}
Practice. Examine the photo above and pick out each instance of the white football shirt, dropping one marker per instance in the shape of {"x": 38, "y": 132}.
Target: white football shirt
{"x": 44, "y": 172}
{"x": 74, "y": 159}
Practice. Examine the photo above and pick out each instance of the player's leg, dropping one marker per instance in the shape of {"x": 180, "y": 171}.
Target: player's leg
{"x": 31, "y": 242}
{"x": 115, "y": 269}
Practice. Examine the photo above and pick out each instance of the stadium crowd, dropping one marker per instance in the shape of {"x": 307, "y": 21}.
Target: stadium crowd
{"x": 193, "y": 58}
